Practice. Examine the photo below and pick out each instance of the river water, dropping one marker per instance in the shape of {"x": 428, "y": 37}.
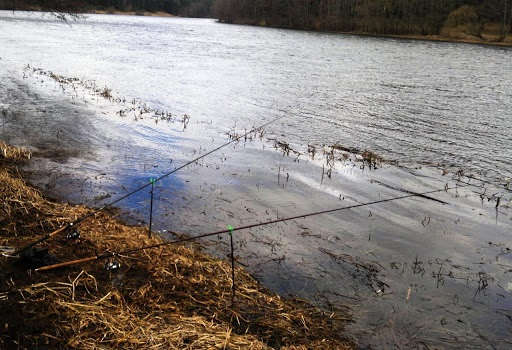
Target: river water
{"x": 443, "y": 270}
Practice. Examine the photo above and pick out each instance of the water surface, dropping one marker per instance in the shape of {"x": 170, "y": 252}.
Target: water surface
{"x": 423, "y": 102}
{"x": 412, "y": 101}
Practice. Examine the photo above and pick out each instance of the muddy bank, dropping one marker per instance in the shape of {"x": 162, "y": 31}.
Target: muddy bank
{"x": 172, "y": 297}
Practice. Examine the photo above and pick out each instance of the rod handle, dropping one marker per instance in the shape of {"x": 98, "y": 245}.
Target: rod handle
{"x": 56, "y": 232}
{"x": 40, "y": 240}
{"x": 68, "y": 263}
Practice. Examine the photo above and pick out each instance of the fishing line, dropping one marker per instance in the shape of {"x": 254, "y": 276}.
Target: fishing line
{"x": 233, "y": 229}
{"x": 94, "y": 212}
{"x": 497, "y": 185}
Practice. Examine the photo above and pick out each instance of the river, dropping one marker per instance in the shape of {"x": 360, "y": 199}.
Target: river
{"x": 440, "y": 273}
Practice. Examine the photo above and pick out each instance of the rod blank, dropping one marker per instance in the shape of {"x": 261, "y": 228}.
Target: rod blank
{"x": 232, "y": 229}
{"x": 76, "y": 222}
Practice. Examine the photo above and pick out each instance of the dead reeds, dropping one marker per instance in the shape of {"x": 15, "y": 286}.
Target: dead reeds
{"x": 19, "y": 201}
{"x": 11, "y": 153}
{"x": 176, "y": 297}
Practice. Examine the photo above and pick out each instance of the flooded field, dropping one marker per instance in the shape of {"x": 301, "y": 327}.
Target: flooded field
{"x": 419, "y": 272}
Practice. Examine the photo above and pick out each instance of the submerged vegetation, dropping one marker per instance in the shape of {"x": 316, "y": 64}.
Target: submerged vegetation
{"x": 176, "y": 297}
{"x": 78, "y": 88}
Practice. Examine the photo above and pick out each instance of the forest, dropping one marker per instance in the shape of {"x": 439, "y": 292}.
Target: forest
{"x": 395, "y": 17}
{"x": 398, "y": 17}
{"x": 186, "y": 8}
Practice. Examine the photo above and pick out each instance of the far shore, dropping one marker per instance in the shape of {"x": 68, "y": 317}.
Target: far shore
{"x": 439, "y": 38}
{"x": 131, "y": 13}
{"x": 465, "y": 39}
{"x": 105, "y": 12}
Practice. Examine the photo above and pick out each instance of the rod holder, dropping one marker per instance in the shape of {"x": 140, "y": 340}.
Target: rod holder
{"x": 152, "y": 180}
{"x": 233, "y": 287}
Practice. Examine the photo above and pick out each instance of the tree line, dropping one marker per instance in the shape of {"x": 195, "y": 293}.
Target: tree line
{"x": 424, "y": 17}
{"x": 188, "y": 8}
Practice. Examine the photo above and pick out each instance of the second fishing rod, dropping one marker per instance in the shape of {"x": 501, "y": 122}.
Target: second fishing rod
{"x": 150, "y": 183}
{"x": 230, "y": 229}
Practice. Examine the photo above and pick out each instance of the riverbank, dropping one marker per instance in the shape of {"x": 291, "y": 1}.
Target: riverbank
{"x": 438, "y": 38}
{"x": 487, "y": 38}
{"x": 130, "y": 13}
{"x": 108, "y": 11}
{"x": 171, "y": 297}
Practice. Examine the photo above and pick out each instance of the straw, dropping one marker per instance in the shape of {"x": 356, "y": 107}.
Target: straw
{"x": 177, "y": 298}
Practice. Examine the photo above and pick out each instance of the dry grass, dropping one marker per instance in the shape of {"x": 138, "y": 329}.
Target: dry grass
{"x": 175, "y": 297}
{"x": 13, "y": 154}
{"x": 19, "y": 201}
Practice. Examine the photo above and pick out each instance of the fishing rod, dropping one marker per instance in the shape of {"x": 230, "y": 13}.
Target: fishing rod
{"x": 497, "y": 185}
{"x": 85, "y": 217}
{"x": 505, "y": 186}
{"x": 230, "y": 229}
